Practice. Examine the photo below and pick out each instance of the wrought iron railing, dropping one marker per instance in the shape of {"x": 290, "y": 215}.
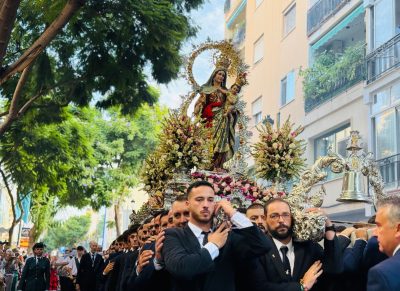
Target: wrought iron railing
{"x": 321, "y": 12}
{"x": 340, "y": 84}
{"x": 227, "y": 6}
{"x": 383, "y": 59}
{"x": 390, "y": 170}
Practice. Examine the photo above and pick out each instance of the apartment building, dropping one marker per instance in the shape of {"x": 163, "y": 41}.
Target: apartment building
{"x": 283, "y": 42}
{"x": 382, "y": 90}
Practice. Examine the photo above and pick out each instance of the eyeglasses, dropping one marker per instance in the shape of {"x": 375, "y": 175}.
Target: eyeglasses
{"x": 276, "y": 216}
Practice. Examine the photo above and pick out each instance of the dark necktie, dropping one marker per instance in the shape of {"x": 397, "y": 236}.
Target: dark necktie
{"x": 205, "y": 239}
{"x": 286, "y": 263}
{"x": 93, "y": 258}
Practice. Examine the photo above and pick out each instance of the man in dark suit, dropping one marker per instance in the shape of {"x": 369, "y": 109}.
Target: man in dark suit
{"x": 385, "y": 275}
{"x": 36, "y": 273}
{"x": 199, "y": 259}
{"x": 291, "y": 265}
{"x": 89, "y": 271}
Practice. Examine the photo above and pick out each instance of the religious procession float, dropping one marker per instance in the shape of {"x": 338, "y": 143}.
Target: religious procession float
{"x": 212, "y": 144}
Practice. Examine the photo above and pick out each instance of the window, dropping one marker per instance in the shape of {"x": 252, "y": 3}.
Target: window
{"x": 337, "y": 140}
{"x": 258, "y": 2}
{"x": 287, "y": 88}
{"x": 385, "y": 134}
{"x": 383, "y": 22}
{"x": 256, "y": 110}
{"x": 289, "y": 20}
{"x": 258, "y": 49}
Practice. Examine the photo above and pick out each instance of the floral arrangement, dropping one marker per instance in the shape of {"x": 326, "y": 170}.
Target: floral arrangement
{"x": 155, "y": 173}
{"x": 278, "y": 153}
{"x": 226, "y": 185}
{"x": 184, "y": 143}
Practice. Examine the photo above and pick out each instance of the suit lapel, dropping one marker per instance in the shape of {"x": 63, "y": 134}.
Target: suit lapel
{"x": 298, "y": 260}
{"x": 275, "y": 257}
{"x": 191, "y": 237}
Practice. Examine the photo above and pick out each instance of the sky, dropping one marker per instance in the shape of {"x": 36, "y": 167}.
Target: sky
{"x": 210, "y": 21}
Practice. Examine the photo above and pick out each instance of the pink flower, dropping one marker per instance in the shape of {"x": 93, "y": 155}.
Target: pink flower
{"x": 228, "y": 189}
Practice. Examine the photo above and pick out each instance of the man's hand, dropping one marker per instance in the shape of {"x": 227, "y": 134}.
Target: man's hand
{"x": 362, "y": 233}
{"x": 77, "y": 287}
{"x": 220, "y": 236}
{"x": 226, "y": 207}
{"x": 150, "y": 239}
{"x": 310, "y": 277}
{"x": 348, "y": 231}
{"x": 108, "y": 268}
{"x": 144, "y": 259}
{"x": 159, "y": 244}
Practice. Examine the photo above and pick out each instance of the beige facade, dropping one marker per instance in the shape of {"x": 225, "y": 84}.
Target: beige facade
{"x": 291, "y": 42}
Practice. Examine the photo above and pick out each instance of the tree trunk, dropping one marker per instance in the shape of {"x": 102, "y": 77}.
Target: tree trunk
{"x": 32, "y": 237}
{"x": 116, "y": 217}
{"x": 8, "y": 13}
{"x": 15, "y": 219}
{"x": 40, "y": 44}
{"x": 13, "y": 111}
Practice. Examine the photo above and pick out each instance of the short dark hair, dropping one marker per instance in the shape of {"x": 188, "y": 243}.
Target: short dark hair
{"x": 198, "y": 184}
{"x": 148, "y": 220}
{"x": 38, "y": 245}
{"x": 255, "y": 205}
{"x": 273, "y": 200}
{"x": 181, "y": 198}
{"x": 164, "y": 213}
{"x": 133, "y": 228}
{"x": 80, "y": 248}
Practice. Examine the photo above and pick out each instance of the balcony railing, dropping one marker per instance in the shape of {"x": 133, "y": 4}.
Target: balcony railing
{"x": 390, "y": 170}
{"x": 339, "y": 85}
{"x": 383, "y": 59}
{"x": 321, "y": 12}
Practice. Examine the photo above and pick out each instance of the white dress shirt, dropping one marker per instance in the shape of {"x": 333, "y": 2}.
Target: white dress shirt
{"x": 238, "y": 219}
{"x": 289, "y": 254}
{"x": 396, "y": 250}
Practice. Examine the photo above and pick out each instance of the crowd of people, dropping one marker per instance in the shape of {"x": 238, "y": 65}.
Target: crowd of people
{"x": 251, "y": 249}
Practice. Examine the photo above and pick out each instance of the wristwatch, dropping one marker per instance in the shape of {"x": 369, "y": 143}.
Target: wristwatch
{"x": 328, "y": 228}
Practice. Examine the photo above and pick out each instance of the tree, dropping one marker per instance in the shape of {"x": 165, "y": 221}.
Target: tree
{"x": 68, "y": 233}
{"x": 102, "y": 48}
{"x": 51, "y": 160}
{"x": 120, "y": 150}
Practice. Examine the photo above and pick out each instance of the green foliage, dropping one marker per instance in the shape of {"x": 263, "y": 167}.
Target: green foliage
{"x": 103, "y": 49}
{"x": 121, "y": 146}
{"x": 330, "y": 68}
{"x": 68, "y": 233}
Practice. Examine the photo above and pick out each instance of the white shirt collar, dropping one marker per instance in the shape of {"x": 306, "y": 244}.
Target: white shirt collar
{"x": 279, "y": 245}
{"x": 396, "y": 249}
{"x": 197, "y": 231}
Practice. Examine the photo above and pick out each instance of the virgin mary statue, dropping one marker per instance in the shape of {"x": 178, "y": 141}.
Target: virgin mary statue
{"x": 212, "y": 106}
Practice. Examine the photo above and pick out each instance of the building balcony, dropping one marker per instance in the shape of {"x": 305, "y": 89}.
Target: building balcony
{"x": 390, "y": 171}
{"x": 321, "y": 11}
{"x": 384, "y": 59}
{"x": 331, "y": 75}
